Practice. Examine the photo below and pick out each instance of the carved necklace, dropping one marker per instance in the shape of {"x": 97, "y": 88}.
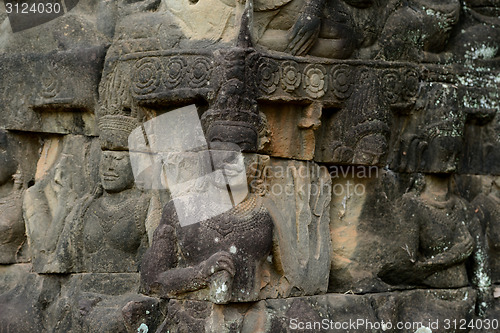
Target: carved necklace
{"x": 109, "y": 214}
{"x": 442, "y": 211}
{"x": 244, "y": 217}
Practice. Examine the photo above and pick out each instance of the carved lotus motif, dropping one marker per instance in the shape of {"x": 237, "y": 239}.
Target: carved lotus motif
{"x": 174, "y": 72}
{"x": 147, "y": 75}
{"x": 290, "y": 76}
{"x": 411, "y": 83}
{"x": 342, "y": 81}
{"x": 314, "y": 80}
{"x": 268, "y": 75}
{"x": 199, "y": 74}
{"x": 391, "y": 85}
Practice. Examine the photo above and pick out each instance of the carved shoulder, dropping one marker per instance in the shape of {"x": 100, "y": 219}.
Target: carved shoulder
{"x": 169, "y": 215}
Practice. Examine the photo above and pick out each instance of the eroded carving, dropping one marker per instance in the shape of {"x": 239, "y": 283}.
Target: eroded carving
{"x": 223, "y": 138}
{"x": 112, "y": 218}
{"x": 220, "y": 257}
{"x": 487, "y": 207}
{"x": 444, "y": 232}
{"x": 12, "y": 233}
{"x": 419, "y": 31}
{"x": 47, "y": 204}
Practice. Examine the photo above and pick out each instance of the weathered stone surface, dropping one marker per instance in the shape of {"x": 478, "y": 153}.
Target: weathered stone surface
{"x": 48, "y": 204}
{"x": 15, "y": 176}
{"x": 431, "y": 308}
{"x": 363, "y": 220}
{"x": 313, "y": 160}
{"x": 392, "y": 232}
{"x": 405, "y": 311}
{"x": 292, "y": 139}
{"x": 218, "y": 258}
{"x": 25, "y": 298}
{"x": 299, "y": 194}
{"x": 358, "y": 133}
{"x": 444, "y": 232}
{"x": 34, "y": 85}
{"x": 431, "y": 139}
{"x": 96, "y": 300}
{"x": 488, "y": 210}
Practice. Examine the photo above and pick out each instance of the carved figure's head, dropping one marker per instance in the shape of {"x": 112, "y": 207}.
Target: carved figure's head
{"x": 229, "y": 166}
{"x": 442, "y": 153}
{"x": 370, "y": 149}
{"x": 116, "y": 171}
{"x": 234, "y": 117}
{"x": 114, "y": 130}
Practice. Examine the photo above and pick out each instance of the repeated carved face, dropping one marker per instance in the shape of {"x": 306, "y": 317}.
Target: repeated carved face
{"x": 442, "y": 153}
{"x": 232, "y": 165}
{"x": 116, "y": 171}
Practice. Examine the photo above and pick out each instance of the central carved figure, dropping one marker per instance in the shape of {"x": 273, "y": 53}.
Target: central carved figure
{"x": 219, "y": 258}
{"x": 219, "y": 253}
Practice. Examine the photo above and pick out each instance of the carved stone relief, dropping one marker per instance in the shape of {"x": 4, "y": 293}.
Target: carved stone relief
{"x": 243, "y": 166}
{"x": 486, "y": 208}
{"x": 48, "y": 203}
{"x": 11, "y": 189}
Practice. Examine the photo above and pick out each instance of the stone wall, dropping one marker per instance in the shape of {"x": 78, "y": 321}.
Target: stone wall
{"x": 251, "y": 166}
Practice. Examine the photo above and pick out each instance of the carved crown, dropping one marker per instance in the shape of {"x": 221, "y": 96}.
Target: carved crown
{"x": 114, "y": 131}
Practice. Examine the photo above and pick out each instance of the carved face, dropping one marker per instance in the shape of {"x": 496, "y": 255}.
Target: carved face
{"x": 8, "y": 165}
{"x": 441, "y": 154}
{"x": 116, "y": 172}
{"x": 231, "y": 167}
{"x": 370, "y": 149}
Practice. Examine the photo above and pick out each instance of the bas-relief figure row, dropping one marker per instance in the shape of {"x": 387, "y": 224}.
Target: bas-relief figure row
{"x": 396, "y": 98}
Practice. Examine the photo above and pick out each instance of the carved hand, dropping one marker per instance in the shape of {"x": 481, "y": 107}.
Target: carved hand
{"x": 217, "y": 262}
{"x": 305, "y": 31}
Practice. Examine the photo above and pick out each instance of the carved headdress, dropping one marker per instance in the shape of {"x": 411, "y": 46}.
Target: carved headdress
{"x": 114, "y": 130}
{"x": 234, "y": 117}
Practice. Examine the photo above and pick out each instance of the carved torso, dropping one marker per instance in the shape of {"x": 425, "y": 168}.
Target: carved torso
{"x": 440, "y": 225}
{"x": 244, "y": 231}
{"x": 114, "y": 234}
